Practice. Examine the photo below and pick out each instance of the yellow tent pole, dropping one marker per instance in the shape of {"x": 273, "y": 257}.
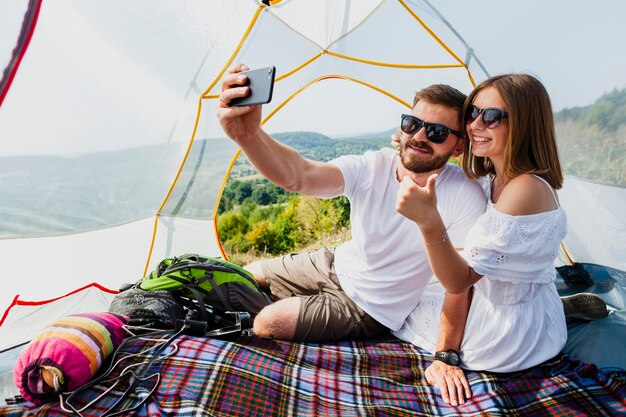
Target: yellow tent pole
{"x": 234, "y": 159}
{"x": 299, "y": 67}
{"x": 333, "y": 76}
{"x": 169, "y": 192}
{"x": 206, "y": 95}
{"x": 278, "y": 78}
{"x": 237, "y": 49}
{"x": 217, "y": 203}
{"x": 193, "y": 135}
{"x": 391, "y": 65}
{"x": 471, "y": 78}
{"x": 569, "y": 258}
{"x": 430, "y": 31}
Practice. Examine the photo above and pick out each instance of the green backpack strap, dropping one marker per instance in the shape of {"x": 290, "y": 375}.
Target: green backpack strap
{"x": 202, "y": 306}
{"x": 218, "y": 291}
{"x": 195, "y": 288}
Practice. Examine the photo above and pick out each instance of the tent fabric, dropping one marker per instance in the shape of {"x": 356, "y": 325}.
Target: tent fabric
{"x": 26, "y": 32}
{"x": 125, "y": 163}
{"x": 259, "y": 377}
{"x": 110, "y": 256}
{"x": 596, "y": 230}
{"x": 142, "y": 94}
{"x": 112, "y": 158}
{"x": 600, "y": 342}
{"x": 35, "y": 315}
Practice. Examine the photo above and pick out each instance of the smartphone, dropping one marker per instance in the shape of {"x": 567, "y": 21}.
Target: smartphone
{"x": 261, "y": 83}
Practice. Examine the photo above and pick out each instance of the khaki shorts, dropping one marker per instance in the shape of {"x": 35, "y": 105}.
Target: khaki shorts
{"x": 326, "y": 312}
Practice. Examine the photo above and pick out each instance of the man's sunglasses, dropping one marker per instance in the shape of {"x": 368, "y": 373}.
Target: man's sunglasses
{"x": 492, "y": 117}
{"x": 435, "y": 132}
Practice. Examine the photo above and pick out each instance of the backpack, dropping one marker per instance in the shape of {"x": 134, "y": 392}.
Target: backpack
{"x": 217, "y": 297}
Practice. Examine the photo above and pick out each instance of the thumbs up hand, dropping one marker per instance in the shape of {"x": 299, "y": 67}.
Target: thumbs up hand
{"x": 418, "y": 203}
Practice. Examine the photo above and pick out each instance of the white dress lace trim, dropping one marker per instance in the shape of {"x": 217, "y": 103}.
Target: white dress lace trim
{"x": 516, "y": 249}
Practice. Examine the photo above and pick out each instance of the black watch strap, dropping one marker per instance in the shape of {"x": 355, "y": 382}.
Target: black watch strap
{"x": 450, "y": 356}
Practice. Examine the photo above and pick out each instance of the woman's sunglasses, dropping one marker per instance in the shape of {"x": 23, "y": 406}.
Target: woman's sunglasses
{"x": 435, "y": 132}
{"x": 492, "y": 117}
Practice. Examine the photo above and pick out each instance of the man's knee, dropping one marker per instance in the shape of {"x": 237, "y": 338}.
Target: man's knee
{"x": 257, "y": 271}
{"x": 266, "y": 324}
{"x": 278, "y": 320}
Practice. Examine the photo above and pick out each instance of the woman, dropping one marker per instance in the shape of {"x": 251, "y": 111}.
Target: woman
{"x": 516, "y": 318}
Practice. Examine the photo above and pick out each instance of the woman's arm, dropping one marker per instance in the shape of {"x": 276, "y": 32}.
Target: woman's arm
{"x": 420, "y": 205}
{"x": 450, "y": 379}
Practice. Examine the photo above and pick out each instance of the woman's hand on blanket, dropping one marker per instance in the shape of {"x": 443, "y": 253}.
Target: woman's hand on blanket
{"x": 450, "y": 380}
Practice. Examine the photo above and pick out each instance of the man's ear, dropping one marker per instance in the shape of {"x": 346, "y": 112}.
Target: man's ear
{"x": 459, "y": 149}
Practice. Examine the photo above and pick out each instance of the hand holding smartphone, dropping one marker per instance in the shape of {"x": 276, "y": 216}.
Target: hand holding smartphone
{"x": 261, "y": 83}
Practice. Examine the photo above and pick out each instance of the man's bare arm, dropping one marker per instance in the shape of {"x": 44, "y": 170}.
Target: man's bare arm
{"x": 277, "y": 162}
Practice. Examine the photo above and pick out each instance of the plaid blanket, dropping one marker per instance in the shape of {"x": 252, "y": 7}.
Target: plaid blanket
{"x": 255, "y": 377}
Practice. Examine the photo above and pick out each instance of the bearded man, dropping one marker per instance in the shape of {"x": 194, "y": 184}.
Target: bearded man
{"x": 368, "y": 285}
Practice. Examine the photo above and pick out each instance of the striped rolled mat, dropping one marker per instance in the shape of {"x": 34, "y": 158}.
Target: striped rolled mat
{"x": 67, "y": 354}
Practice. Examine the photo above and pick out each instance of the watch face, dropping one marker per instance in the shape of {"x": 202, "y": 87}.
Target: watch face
{"x": 453, "y": 358}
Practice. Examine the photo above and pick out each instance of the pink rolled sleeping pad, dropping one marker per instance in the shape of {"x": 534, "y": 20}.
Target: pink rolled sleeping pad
{"x": 67, "y": 354}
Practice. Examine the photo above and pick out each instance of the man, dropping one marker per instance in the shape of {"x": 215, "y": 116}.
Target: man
{"x": 371, "y": 283}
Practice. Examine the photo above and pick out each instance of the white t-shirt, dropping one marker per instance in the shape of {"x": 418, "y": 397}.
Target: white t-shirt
{"x": 384, "y": 268}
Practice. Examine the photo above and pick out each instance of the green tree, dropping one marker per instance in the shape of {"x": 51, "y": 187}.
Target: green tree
{"x": 342, "y": 204}
{"x": 237, "y": 244}
{"x": 288, "y": 225}
{"x": 264, "y": 195}
{"x": 247, "y": 208}
{"x": 265, "y": 239}
{"x": 320, "y": 218}
{"x": 242, "y": 190}
{"x": 231, "y": 224}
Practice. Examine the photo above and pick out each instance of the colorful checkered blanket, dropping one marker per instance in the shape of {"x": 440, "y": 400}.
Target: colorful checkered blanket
{"x": 255, "y": 377}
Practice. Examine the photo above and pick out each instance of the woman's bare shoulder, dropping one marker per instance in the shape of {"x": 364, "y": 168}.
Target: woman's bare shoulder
{"x": 524, "y": 195}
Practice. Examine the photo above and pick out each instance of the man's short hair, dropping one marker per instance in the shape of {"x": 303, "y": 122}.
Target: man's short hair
{"x": 444, "y": 95}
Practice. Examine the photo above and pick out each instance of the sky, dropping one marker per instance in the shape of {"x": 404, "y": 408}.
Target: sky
{"x": 575, "y": 47}
{"x": 115, "y": 99}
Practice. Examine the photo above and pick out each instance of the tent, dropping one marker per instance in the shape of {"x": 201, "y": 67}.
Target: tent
{"x": 112, "y": 158}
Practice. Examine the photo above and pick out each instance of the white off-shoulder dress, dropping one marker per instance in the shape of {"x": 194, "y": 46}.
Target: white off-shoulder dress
{"x": 516, "y": 318}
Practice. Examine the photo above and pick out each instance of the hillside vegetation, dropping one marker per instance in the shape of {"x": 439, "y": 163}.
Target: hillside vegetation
{"x": 259, "y": 219}
{"x": 592, "y": 144}
{"x": 592, "y": 139}
{"x": 54, "y": 194}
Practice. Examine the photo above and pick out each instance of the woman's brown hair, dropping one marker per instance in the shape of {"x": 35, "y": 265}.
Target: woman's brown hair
{"x": 531, "y": 146}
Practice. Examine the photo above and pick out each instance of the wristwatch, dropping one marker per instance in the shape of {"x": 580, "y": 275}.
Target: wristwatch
{"x": 451, "y": 357}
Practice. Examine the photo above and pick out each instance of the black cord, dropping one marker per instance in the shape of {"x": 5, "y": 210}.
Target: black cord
{"x": 139, "y": 376}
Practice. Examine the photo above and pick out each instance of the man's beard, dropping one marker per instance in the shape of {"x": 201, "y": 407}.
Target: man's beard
{"x": 425, "y": 163}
